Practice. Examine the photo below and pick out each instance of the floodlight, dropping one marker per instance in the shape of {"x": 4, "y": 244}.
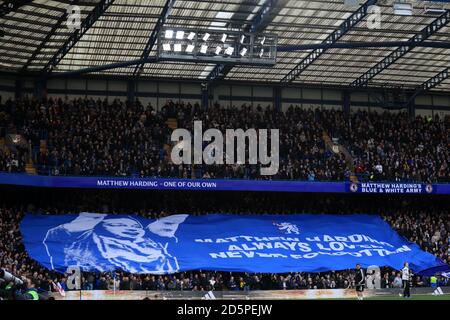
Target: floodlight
{"x": 203, "y": 48}
{"x": 190, "y": 48}
{"x": 436, "y": 10}
{"x": 180, "y": 35}
{"x": 403, "y": 8}
{"x": 217, "y": 45}
{"x": 191, "y": 36}
{"x": 229, "y": 51}
{"x": 224, "y": 37}
{"x": 177, "y": 47}
{"x": 350, "y": 3}
{"x": 169, "y": 34}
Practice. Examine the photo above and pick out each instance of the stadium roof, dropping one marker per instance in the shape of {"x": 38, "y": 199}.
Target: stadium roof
{"x": 36, "y": 30}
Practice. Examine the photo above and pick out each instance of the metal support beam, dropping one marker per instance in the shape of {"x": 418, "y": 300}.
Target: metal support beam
{"x": 18, "y": 86}
{"x": 277, "y": 98}
{"x": 216, "y": 72}
{"x": 434, "y": 81}
{"x": 263, "y": 18}
{"x": 131, "y": 90}
{"x": 345, "y": 27}
{"x": 259, "y": 23}
{"x": 154, "y": 36}
{"x": 356, "y": 45}
{"x": 346, "y": 102}
{"x": 11, "y": 6}
{"x": 40, "y": 86}
{"x": 427, "y": 85}
{"x": 412, "y": 109}
{"x": 205, "y": 95}
{"x": 104, "y": 67}
{"x": 219, "y": 71}
{"x": 93, "y": 16}
{"x": 429, "y": 30}
{"x": 47, "y": 38}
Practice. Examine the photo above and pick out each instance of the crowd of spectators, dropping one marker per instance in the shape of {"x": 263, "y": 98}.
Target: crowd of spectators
{"x": 12, "y": 161}
{"x": 425, "y": 222}
{"x": 95, "y": 137}
{"x": 389, "y": 146}
{"x": 87, "y": 137}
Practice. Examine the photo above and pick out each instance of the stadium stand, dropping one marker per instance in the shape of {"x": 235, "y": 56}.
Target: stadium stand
{"x": 423, "y": 221}
{"x": 91, "y": 92}
{"x": 80, "y": 140}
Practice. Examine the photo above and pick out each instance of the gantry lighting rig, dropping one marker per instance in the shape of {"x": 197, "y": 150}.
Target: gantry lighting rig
{"x": 217, "y": 46}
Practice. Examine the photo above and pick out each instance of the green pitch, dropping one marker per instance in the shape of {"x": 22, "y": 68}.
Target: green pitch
{"x": 413, "y": 297}
{"x": 397, "y": 297}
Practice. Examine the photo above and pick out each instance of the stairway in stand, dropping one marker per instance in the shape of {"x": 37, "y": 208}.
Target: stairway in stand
{"x": 6, "y": 146}
{"x": 340, "y": 149}
{"x": 43, "y": 146}
{"x": 29, "y": 167}
{"x": 172, "y": 123}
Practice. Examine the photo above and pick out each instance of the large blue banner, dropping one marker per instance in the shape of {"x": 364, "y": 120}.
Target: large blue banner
{"x": 169, "y": 183}
{"x": 219, "y": 184}
{"x": 250, "y": 243}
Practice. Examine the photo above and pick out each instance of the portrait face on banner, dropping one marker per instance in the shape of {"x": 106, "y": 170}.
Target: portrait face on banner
{"x": 106, "y": 242}
{"x": 125, "y": 228}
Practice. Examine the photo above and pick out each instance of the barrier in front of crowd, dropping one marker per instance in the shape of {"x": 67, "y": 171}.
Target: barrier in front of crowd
{"x": 20, "y": 179}
{"x": 235, "y": 295}
{"x": 204, "y": 295}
